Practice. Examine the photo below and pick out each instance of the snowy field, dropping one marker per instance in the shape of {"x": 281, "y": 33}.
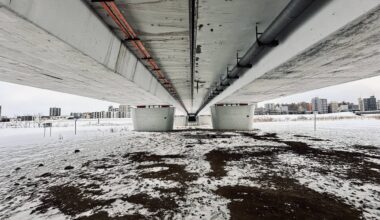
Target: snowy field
{"x": 280, "y": 170}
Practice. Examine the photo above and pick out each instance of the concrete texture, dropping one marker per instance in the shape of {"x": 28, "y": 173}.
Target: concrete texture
{"x": 232, "y": 117}
{"x": 70, "y": 47}
{"x": 329, "y": 47}
{"x": 64, "y": 46}
{"x": 153, "y": 119}
{"x": 225, "y": 27}
{"x": 163, "y": 27}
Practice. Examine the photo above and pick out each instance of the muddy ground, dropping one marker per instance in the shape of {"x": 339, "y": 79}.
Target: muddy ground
{"x": 203, "y": 174}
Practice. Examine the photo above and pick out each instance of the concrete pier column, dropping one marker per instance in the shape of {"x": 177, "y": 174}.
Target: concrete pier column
{"x": 153, "y": 118}
{"x": 232, "y": 117}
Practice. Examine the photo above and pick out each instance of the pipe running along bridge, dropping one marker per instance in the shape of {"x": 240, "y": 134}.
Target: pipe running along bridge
{"x": 188, "y": 57}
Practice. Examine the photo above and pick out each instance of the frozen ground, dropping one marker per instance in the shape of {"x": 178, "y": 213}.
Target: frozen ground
{"x": 281, "y": 170}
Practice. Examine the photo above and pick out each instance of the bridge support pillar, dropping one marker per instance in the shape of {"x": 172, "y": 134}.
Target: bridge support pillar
{"x": 232, "y": 117}
{"x": 153, "y": 118}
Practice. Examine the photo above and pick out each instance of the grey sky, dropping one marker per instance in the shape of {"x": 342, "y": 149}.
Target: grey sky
{"x": 20, "y": 100}
{"x": 344, "y": 92}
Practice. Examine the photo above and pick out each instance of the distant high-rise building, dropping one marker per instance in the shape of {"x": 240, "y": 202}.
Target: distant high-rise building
{"x": 368, "y": 104}
{"x": 333, "y": 107}
{"x": 125, "y": 111}
{"x": 361, "y": 104}
{"x": 54, "y": 111}
{"x": 378, "y": 106}
{"x": 270, "y": 107}
{"x": 319, "y": 105}
{"x": 371, "y": 103}
{"x": 0, "y": 111}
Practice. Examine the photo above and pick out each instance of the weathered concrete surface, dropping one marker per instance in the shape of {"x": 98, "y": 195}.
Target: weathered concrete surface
{"x": 153, "y": 119}
{"x": 232, "y": 117}
{"x": 70, "y": 49}
{"x": 163, "y": 27}
{"x": 64, "y": 46}
{"x": 333, "y": 46}
{"x": 225, "y": 27}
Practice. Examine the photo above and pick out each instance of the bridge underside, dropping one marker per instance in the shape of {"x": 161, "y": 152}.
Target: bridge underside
{"x": 86, "y": 48}
{"x": 348, "y": 54}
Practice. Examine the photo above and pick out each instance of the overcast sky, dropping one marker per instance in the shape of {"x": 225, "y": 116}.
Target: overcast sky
{"x": 22, "y": 100}
{"x": 344, "y": 92}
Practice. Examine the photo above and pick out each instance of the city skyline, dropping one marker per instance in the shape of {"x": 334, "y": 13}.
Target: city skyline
{"x": 29, "y": 100}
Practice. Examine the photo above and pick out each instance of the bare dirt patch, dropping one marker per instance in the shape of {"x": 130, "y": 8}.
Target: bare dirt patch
{"x": 352, "y": 165}
{"x": 163, "y": 207}
{"x": 103, "y": 215}
{"x": 166, "y": 184}
{"x": 173, "y": 172}
{"x": 140, "y": 157}
{"x": 290, "y": 201}
{"x": 218, "y": 158}
{"x": 70, "y": 200}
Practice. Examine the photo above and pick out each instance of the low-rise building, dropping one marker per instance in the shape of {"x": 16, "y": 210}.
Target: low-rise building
{"x": 343, "y": 108}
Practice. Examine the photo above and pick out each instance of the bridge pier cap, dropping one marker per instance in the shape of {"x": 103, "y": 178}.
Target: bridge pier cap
{"x": 153, "y": 118}
{"x": 232, "y": 116}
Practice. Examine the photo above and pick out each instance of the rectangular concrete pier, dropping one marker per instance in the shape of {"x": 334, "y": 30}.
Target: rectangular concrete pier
{"x": 232, "y": 117}
{"x": 153, "y": 119}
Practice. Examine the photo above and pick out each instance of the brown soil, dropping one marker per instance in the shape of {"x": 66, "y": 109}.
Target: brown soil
{"x": 162, "y": 207}
{"x": 70, "y": 200}
{"x": 175, "y": 172}
{"x": 302, "y": 136}
{"x": 292, "y": 201}
{"x": 179, "y": 192}
{"x": 310, "y": 138}
{"x": 104, "y": 163}
{"x": 145, "y": 156}
{"x": 366, "y": 147}
{"x": 352, "y": 165}
{"x": 277, "y": 197}
{"x": 219, "y": 158}
{"x": 317, "y": 139}
{"x": 103, "y": 215}
{"x": 263, "y": 137}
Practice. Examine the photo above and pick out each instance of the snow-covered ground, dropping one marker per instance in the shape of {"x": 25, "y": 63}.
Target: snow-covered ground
{"x": 106, "y": 170}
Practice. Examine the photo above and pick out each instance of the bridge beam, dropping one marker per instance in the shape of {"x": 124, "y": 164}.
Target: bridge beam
{"x": 232, "y": 117}
{"x": 64, "y": 46}
{"x": 153, "y": 118}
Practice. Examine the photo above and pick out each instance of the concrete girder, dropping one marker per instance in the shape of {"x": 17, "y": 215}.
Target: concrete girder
{"x": 163, "y": 27}
{"x": 64, "y": 46}
{"x": 341, "y": 46}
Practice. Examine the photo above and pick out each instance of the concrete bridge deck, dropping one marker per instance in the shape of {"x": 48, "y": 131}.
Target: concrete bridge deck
{"x": 181, "y": 53}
